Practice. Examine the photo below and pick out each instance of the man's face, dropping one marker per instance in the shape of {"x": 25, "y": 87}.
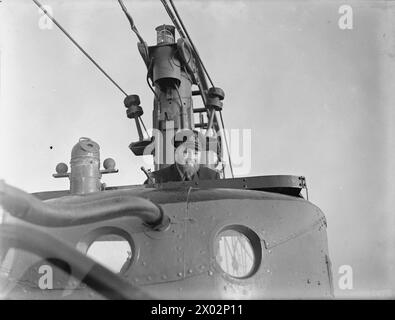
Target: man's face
{"x": 188, "y": 160}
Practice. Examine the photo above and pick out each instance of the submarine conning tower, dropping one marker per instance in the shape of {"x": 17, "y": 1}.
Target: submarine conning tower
{"x": 173, "y": 68}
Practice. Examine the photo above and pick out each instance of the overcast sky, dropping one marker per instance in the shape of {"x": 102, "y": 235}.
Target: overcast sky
{"x": 319, "y": 102}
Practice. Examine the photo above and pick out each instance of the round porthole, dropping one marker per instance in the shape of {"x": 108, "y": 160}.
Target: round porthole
{"x": 238, "y": 251}
{"x": 112, "y": 251}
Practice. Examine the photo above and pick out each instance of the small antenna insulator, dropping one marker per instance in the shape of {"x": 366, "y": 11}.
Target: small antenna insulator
{"x": 132, "y": 103}
{"x": 61, "y": 168}
{"x": 135, "y": 111}
{"x": 216, "y": 92}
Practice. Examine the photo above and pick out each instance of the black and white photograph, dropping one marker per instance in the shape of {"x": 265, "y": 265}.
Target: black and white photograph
{"x": 203, "y": 150}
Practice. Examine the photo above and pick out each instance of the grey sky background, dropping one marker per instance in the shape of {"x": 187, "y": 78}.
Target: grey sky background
{"x": 319, "y": 101}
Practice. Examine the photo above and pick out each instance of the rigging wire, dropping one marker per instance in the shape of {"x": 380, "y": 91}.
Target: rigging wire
{"x": 190, "y": 40}
{"x": 226, "y": 142}
{"x": 84, "y": 52}
{"x": 134, "y": 29}
{"x": 152, "y": 89}
{"x": 148, "y": 77}
{"x": 173, "y": 19}
{"x": 145, "y": 129}
{"x": 181, "y": 108}
{"x": 201, "y": 63}
{"x": 132, "y": 25}
{"x": 77, "y": 45}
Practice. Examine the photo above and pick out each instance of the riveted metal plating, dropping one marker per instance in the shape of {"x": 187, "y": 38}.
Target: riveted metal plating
{"x": 160, "y": 261}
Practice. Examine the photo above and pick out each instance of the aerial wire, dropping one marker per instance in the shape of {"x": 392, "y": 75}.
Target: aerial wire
{"x": 132, "y": 25}
{"x": 83, "y": 51}
{"x": 173, "y": 19}
{"x": 77, "y": 45}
